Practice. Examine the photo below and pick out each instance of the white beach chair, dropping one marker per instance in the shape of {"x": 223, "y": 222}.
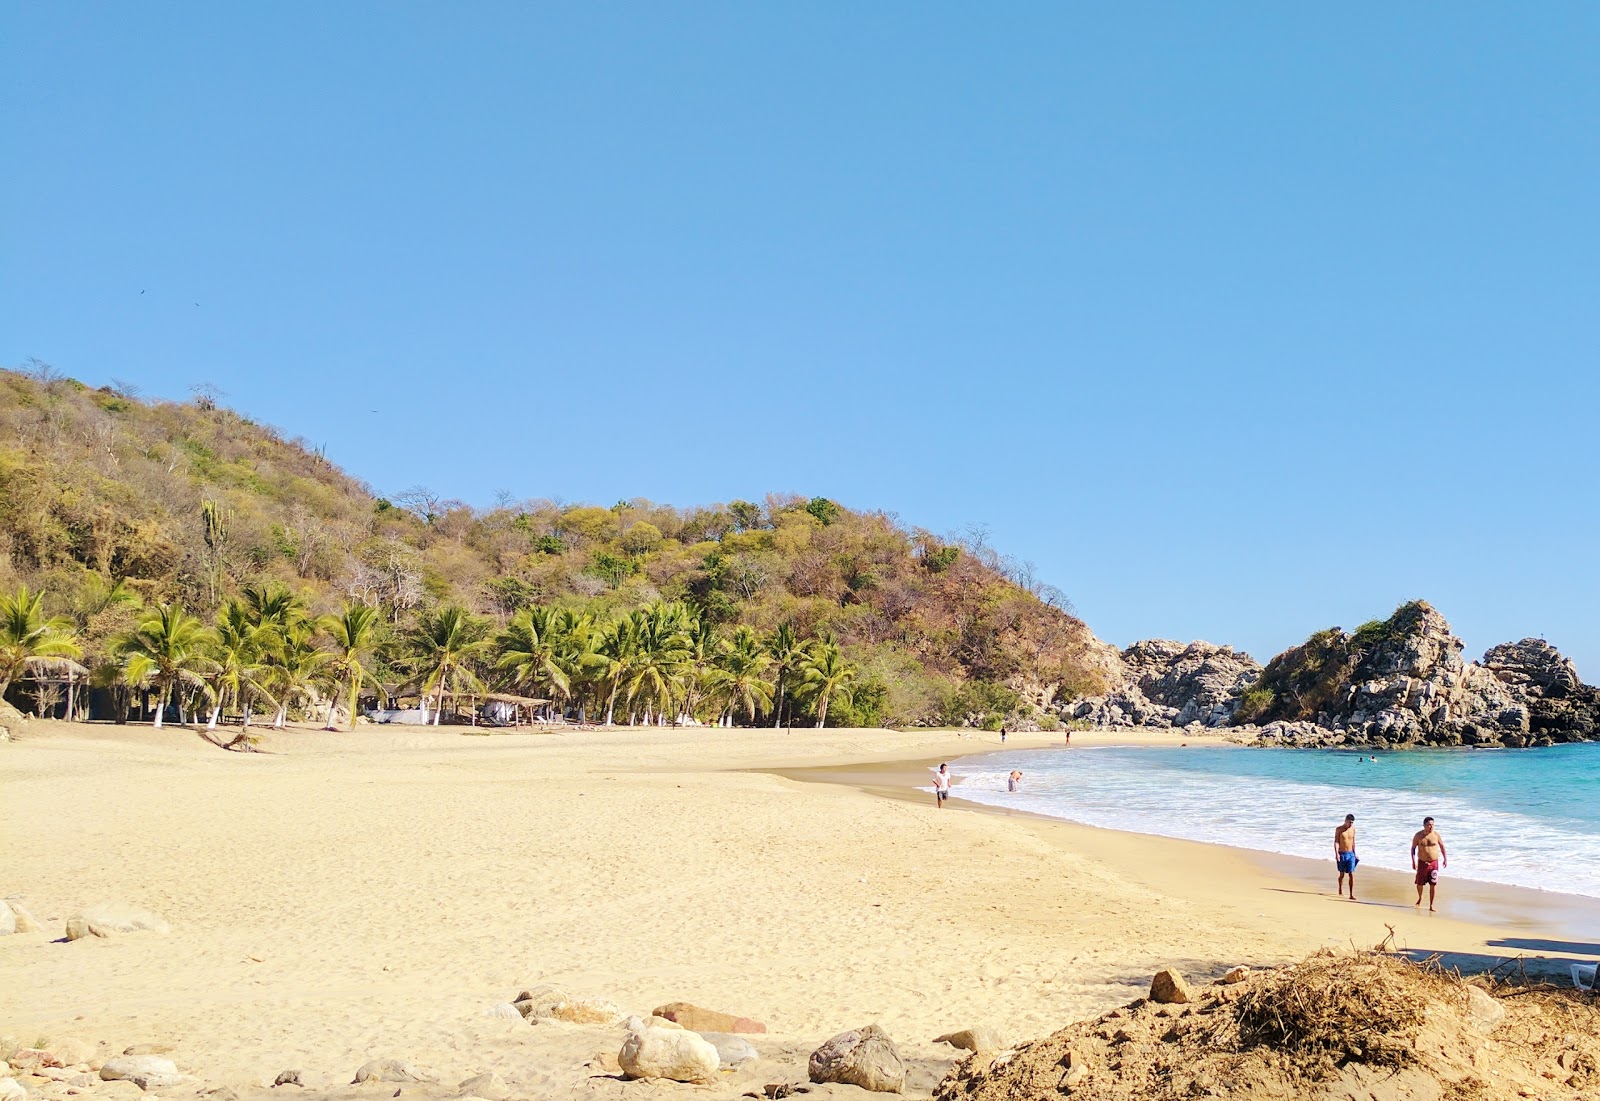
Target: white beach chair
{"x": 1583, "y": 975}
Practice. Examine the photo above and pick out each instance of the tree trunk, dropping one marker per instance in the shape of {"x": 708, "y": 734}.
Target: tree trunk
{"x": 822, "y": 710}
{"x": 161, "y": 706}
{"x": 777, "y": 703}
{"x": 355, "y": 688}
{"x": 216, "y": 710}
{"x": 71, "y": 717}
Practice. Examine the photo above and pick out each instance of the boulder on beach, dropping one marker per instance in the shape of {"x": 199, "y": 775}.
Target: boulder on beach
{"x": 389, "y": 1070}
{"x": 1169, "y": 988}
{"x": 12, "y": 1090}
{"x": 864, "y": 1057}
{"x": 672, "y": 1053}
{"x": 973, "y": 1039}
{"x": 488, "y": 1085}
{"x": 698, "y": 1019}
{"x": 732, "y": 1049}
{"x": 107, "y": 919}
{"x": 148, "y": 1072}
{"x": 21, "y": 920}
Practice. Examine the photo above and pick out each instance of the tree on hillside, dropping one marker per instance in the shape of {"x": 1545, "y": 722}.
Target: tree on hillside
{"x": 444, "y": 643}
{"x": 31, "y": 641}
{"x": 825, "y": 674}
{"x": 169, "y": 651}
{"x": 354, "y": 632}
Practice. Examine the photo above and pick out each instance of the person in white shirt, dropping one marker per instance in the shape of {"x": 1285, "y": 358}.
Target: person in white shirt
{"x": 941, "y": 785}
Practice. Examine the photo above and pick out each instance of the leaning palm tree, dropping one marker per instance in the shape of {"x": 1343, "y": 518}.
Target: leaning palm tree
{"x": 240, "y": 666}
{"x": 298, "y": 667}
{"x": 701, "y": 644}
{"x": 825, "y": 673}
{"x": 170, "y": 651}
{"x": 613, "y": 658}
{"x": 29, "y": 639}
{"x": 445, "y": 643}
{"x": 531, "y": 650}
{"x": 786, "y": 651}
{"x": 354, "y": 632}
{"x": 740, "y": 675}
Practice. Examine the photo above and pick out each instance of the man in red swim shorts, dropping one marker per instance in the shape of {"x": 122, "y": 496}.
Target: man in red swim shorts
{"x": 1427, "y": 857}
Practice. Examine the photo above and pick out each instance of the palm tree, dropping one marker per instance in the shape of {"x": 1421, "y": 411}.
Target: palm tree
{"x": 825, "y": 673}
{"x": 354, "y": 632}
{"x": 700, "y": 650}
{"x": 273, "y": 605}
{"x": 169, "y": 649}
{"x": 298, "y": 666}
{"x": 531, "y": 649}
{"x": 613, "y": 659}
{"x": 30, "y": 640}
{"x": 785, "y": 650}
{"x": 739, "y": 676}
{"x": 445, "y": 642}
{"x": 239, "y": 659}
{"x": 655, "y": 674}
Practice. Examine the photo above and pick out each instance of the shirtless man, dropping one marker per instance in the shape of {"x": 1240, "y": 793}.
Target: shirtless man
{"x": 1427, "y": 857}
{"x": 1344, "y": 854}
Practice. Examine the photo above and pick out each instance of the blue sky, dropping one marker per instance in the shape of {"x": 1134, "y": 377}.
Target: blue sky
{"x": 1238, "y": 321}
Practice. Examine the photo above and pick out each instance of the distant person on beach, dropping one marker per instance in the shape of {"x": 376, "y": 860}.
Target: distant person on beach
{"x": 1014, "y": 780}
{"x": 1002, "y": 735}
{"x": 1427, "y": 857}
{"x": 1344, "y": 854}
{"x": 941, "y": 786}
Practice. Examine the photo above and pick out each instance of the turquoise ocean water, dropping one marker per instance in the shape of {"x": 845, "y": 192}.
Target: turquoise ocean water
{"x": 1530, "y": 817}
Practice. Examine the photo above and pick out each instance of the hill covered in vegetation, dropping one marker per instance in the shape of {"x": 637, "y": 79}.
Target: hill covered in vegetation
{"x": 112, "y": 506}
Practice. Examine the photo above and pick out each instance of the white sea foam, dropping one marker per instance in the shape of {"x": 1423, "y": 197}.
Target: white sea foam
{"x": 1201, "y": 795}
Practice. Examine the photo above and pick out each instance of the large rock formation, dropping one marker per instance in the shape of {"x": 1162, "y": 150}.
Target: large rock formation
{"x": 1163, "y": 683}
{"x": 1403, "y": 680}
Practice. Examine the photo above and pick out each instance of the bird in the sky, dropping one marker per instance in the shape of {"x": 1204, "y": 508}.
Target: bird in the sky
{"x": 141, "y": 292}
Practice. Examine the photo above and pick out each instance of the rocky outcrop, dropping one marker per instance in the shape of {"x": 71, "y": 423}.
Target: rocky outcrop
{"x": 1403, "y": 681}
{"x": 1163, "y": 683}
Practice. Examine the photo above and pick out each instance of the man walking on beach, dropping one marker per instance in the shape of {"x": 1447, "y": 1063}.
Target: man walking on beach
{"x": 1427, "y": 857}
{"x": 941, "y": 786}
{"x": 1344, "y": 854}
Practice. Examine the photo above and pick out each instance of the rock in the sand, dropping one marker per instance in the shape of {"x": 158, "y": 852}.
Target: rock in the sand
{"x": 864, "y": 1057}
{"x": 1168, "y": 988}
{"x": 20, "y": 918}
{"x": 733, "y": 1050}
{"x": 488, "y": 1085}
{"x": 288, "y": 1078}
{"x": 148, "y": 1072}
{"x": 673, "y": 1053}
{"x": 973, "y": 1039}
{"x": 11, "y": 1090}
{"x": 72, "y": 1052}
{"x": 504, "y": 1009}
{"x": 1484, "y": 1011}
{"x": 32, "y": 1060}
{"x": 540, "y": 1002}
{"x": 696, "y": 1019}
{"x": 1235, "y": 975}
{"x": 389, "y": 1070}
{"x": 587, "y": 1011}
{"x": 8, "y": 921}
{"x": 109, "y": 918}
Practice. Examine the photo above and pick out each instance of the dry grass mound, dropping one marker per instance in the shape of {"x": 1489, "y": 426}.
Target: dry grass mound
{"x": 1334, "y": 1026}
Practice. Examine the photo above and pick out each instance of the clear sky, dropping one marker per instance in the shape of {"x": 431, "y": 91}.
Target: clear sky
{"x": 1237, "y": 320}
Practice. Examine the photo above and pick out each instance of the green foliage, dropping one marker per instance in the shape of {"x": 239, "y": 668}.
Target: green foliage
{"x": 942, "y": 559}
{"x": 826, "y": 511}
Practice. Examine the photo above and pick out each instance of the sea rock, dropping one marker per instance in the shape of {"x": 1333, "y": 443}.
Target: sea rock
{"x": 109, "y": 918}
{"x": 488, "y": 1085}
{"x": 673, "y": 1053}
{"x": 1169, "y": 988}
{"x": 1198, "y": 680}
{"x": 696, "y": 1019}
{"x": 973, "y": 1039}
{"x": 389, "y": 1070}
{"x": 864, "y": 1057}
{"x": 733, "y": 1050}
{"x": 148, "y": 1072}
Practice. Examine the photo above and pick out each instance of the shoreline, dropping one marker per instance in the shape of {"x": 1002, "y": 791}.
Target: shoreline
{"x": 1550, "y": 926}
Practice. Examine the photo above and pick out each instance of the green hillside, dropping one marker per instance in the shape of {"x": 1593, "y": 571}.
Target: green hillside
{"x": 192, "y": 504}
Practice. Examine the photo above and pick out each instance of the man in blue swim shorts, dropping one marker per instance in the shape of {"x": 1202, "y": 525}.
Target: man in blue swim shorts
{"x": 1344, "y": 854}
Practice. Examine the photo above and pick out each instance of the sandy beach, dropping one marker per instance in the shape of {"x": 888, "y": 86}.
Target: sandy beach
{"x": 343, "y": 897}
